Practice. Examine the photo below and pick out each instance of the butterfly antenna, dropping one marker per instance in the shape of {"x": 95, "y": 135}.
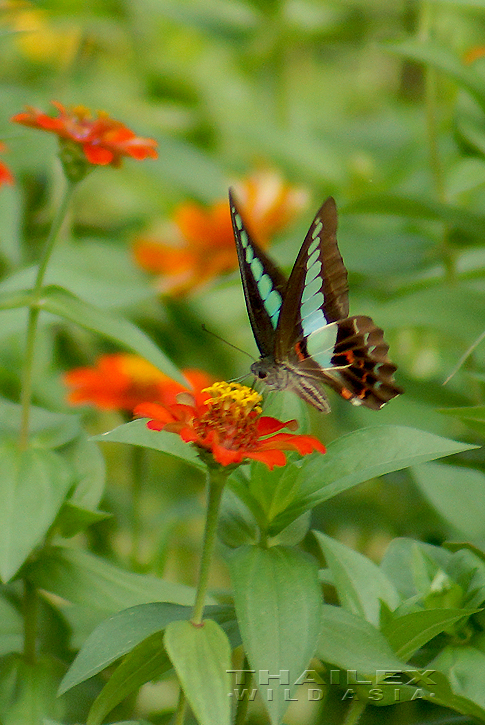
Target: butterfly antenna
{"x": 218, "y": 337}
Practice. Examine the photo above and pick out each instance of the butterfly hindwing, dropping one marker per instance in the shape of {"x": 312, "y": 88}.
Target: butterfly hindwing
{"x": 263, "y": 284}
{"x": 361, "y": 371}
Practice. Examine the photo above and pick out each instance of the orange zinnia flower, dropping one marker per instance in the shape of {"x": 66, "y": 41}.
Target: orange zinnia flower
{"x": 5, "y": 174}
{"x": 122, "y": 381}
{"x": 204, "y": 244}
{"x": 102, "y": 139}
{"x": 225, "y": 420}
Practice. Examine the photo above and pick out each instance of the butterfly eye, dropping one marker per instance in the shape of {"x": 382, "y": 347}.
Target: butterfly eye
{"x": 262, "y": 374}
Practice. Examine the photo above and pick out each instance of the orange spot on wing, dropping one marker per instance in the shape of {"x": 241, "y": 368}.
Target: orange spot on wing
{"x": 298, "y": 350}
{"x": 346, "y": 394}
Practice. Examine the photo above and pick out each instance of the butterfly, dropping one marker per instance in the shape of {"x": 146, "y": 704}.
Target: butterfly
{"x": 301, "y": 325}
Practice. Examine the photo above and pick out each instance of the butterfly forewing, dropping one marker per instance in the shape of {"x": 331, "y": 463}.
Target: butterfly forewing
{"x": 317, "y": 290}
{"x": 263, "y": 284}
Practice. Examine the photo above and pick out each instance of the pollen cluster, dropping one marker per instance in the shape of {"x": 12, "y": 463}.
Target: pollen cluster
{"x": 232, "y": 414}
{"x": 241, "y": 399}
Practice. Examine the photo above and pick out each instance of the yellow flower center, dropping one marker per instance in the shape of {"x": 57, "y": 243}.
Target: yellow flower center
{"x": 232, "y": 415}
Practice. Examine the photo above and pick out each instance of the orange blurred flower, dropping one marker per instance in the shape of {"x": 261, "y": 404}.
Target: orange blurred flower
{"x": 121, "y": 381}
{"x": 225, "y": 421}
{"x": 5, "y": 173}
{"x": 102, "y": 139}
{"x": 203, "y": 244}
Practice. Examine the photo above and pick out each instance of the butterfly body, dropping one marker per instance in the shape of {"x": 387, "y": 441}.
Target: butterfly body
{"x": 301, "y": 325}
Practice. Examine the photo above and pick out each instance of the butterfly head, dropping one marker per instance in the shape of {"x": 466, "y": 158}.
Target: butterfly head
{"x": 273, "y": 375}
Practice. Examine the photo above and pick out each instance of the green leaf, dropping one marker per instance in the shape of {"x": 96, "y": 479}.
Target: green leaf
{"x": 60, "y": 302}
{"x": 360, "y": 584}
{"x": 457, "y": 493}
{"x": 359, "y": 456}
{"x": 34, "y": 485}
{"x": 120, "y": 633}
{"x": 47, "y": 429}
{"x": 399, "y": 562}
{"x": 28, "y": 691}
{"x": 72, "y": 519}
{"x": 468, "y": 412}
{"x": 83, "y": 578}
{"x": 90, "y": 472}
{"x": 278, "y": 604}
{"x": 466, "y": 220}
{"x": 11, "y": 628}
{"x": 12, "y": 300}
{"x": 146, "y": 662}
{"x": 117, "y": 636}
{"x": 464, "y": 668}
{"x": 201, "y": 656}
{"x": 408, "y": 633}
{"x": 440, "y": 57}
{"x": 136, "y": 433}
{"x": 352, "y": 643}
{"x": 275, "y": 489}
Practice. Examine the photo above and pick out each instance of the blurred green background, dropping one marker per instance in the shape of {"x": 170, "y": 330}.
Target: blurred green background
{"x": 378, "y": 103}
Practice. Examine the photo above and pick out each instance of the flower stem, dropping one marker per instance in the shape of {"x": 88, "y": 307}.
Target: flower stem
{"x": 216, "y": 478}
{"x": 30, "y": 622}
{"x": 34, "y": 311}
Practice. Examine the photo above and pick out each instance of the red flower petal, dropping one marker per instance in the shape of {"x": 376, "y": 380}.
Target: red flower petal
{"x": 271, "y": 457}
{"x": 268, "y": 425}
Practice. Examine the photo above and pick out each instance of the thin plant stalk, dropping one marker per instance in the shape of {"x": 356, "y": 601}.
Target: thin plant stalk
{"x": 34, "y": 311}
{"x": 216, "y": 479}
{"x": 30, "y": 603}
{"x": 431, "y": 110}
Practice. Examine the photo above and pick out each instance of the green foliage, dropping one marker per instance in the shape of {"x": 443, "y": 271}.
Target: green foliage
{"x": 339, "y": 580}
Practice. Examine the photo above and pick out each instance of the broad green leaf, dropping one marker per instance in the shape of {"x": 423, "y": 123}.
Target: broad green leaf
{"x": 457, "y": 493}
{"x": 83, "y": 578}
{"x": 353, "y": 644}
{"x": 278, "y": 604}
{"x": 117, "y": 635}
{"x": 146, "y": 662}
{"x": 201, "y": 656}
{"x": 360, "y": 584}
{"x": 60, "y": 302}
{"x": 72, "y": 519}
{"x": 464, "y": 668}
{"x": 407, "y": 634}
{"x": 90, "y": 472}
{"x": 398, "y": 562}
{"x": 13, "y": 300}
{"x": 47, "y": 429}
{"x": 34, "y": 485}
{"x": 28, "y": 691}
{"x": 359, "y": 456}
{"x": 441, "y": 58}
{"x": 275, "y": 489}
{"x": 136, "y": 433}
{"x": 421, "y": 208}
